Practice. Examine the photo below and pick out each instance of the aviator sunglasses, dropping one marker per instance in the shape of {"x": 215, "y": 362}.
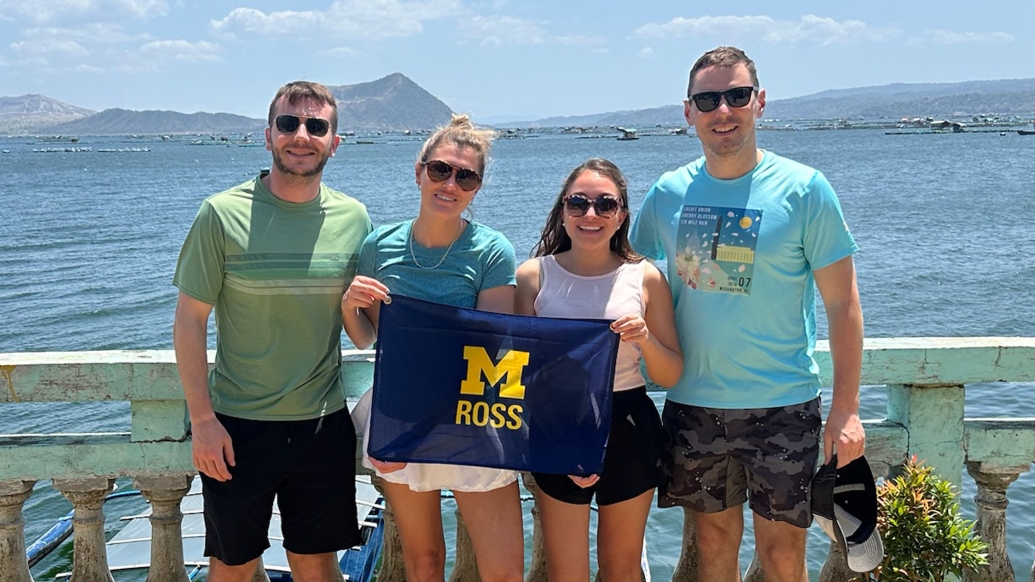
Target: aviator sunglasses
{"x": 578, "y": 205}
{"x": 709, "y": 100}
{"x": 440, "y": 171}
{"x": 314, "y": 125}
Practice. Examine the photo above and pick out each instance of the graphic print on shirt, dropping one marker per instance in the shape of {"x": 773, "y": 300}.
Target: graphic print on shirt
{"x": 715, "y": 248}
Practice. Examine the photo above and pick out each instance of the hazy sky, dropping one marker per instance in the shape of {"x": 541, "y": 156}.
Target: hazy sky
{"x": 512, "y": 59}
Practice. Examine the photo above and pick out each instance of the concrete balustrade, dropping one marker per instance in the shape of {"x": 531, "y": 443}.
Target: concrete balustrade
{"x": 925, "y": 379}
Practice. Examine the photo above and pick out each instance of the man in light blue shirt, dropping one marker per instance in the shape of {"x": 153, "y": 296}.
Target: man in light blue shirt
{"x": 748, "y": 236}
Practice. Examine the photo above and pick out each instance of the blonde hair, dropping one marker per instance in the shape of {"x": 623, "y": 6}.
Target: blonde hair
{"x": 462, "y": 133}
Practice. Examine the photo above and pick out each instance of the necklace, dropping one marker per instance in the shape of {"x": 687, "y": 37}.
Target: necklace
{"x": 444, "y": 255}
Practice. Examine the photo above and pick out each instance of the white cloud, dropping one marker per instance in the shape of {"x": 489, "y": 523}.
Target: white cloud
{"x": 47, "y": 10}
{"x": 366, "y": 19}
{"x": 503, "y": 30}
{"x": 943, "y": 37}
{"x": 809, "y": 29}
{"x": 49, "y": 46}
{"x": 88, "y": 69}
{"x": 646, "y": 52}
{"x": 341, "y": 52}
{"x": 182, "y": 50}
{"x": 498, "y": 31}
{"x": 99, "y": 32}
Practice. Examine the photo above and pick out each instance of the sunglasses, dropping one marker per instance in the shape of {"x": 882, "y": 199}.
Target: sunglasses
{"x": 709, "y": 100}
{"x": 440, "y": 171}
{"x": 605, "y": 206}
{"x": 314, "y": 125}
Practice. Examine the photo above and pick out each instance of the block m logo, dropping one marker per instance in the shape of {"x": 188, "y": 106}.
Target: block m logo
{"x": 511, "y": 365}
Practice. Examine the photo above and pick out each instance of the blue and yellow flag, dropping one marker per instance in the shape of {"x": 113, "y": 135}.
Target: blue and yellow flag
{"x": 468, "y": 387}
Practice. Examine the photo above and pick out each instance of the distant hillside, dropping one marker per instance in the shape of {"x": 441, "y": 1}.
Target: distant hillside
{"x": 122, "y": 121}
{"x": 389, "y": 104}
{"x": 31, "y": 113}
{"x": 1003, "y": 97}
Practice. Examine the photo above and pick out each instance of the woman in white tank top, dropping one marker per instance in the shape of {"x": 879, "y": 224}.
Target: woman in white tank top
{"x": 585, "y": 268}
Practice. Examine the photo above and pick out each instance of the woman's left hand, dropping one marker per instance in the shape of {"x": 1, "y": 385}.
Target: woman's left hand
{"x": 632, "y": 328}
{"x": 584, "y": 481}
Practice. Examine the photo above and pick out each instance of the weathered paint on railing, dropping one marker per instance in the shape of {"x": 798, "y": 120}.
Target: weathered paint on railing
{"x": 925, "y": 380}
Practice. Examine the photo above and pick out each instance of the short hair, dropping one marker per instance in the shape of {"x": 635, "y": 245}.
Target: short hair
{"x": 723, "y": 56}
{"x": 296, "y": 91}
{"x": 554, "y": 239}
{"x": 462, "y": 133}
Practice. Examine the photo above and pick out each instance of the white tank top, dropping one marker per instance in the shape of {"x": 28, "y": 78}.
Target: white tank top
{"x": 607, "y": 296}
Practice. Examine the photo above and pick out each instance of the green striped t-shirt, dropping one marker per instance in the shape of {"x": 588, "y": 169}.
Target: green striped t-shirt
{"x": 275, "y": 272}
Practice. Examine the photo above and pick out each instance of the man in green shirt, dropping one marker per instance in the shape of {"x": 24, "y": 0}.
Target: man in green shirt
{"x": 273, "y": 256}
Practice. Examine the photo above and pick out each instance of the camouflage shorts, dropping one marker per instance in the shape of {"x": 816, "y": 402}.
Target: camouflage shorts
{"x": 716, "y": 456}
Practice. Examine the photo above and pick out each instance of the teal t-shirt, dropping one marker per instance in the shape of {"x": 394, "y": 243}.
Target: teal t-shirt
{"x": 480, "y": 259}
{"x": 275, "y": 272}
{"x": 740, "y": 256}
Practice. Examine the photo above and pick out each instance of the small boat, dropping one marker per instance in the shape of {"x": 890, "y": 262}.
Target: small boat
{"x": 130, "y": 549}
{"x": 627, "y": 134}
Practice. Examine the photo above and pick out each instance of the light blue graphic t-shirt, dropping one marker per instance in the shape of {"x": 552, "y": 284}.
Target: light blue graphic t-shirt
{"x": 741, "y": 255}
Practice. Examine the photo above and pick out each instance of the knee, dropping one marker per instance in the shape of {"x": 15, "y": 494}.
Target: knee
{"x": 426, "y": 566}
{"x": 499, "y": 573}
{"x": 621, "y": 570}
{"x": 782, "y": 561}
{"x": 714, "y": 539}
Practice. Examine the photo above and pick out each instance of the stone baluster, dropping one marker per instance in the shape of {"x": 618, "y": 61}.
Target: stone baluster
{"x": 754, "y": 572}
{"x": 835, "y": 568}
{"x": 465, "y": 568}
{"x": 686, "y": 568}
{"x": 165, "y": 495}
{"x": 393, "y": 569}
{"x": 89, "y": 560}
{"x": 991, "y": 501}
{"x": 537, "y": 568}
{"x": 260, "y": 573}
{"x": 12, "y": 530}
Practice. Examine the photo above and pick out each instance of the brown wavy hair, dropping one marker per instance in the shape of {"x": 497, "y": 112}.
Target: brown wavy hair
{"x": 555, "y": 239}
{"x": 723, "y": 56}
{"x": 296, "y": 91}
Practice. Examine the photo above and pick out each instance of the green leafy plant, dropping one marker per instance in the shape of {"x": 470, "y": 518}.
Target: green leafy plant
{"x": 925, "y": 538}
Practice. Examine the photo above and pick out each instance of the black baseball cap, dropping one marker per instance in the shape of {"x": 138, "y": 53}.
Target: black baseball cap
{"x": 844, "y": 504}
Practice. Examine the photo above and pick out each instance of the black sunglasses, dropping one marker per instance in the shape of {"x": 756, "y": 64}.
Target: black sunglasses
{"x": 709, "y": 100}
{"x": 314, "y": 125}
{"x": 605, "y": 206}
{"x": 440, "y": 171}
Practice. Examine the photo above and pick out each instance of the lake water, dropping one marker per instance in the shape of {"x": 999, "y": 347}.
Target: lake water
{"x": 89, "y": 240}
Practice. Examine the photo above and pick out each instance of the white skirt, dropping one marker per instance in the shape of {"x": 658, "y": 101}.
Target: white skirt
{"x": 430, "y": 476}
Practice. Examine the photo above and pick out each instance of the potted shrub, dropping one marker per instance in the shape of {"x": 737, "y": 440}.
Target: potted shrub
{"x": 925, "y": 538}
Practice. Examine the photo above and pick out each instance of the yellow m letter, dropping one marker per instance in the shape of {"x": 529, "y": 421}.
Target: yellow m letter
{"x": 511, "y": 365}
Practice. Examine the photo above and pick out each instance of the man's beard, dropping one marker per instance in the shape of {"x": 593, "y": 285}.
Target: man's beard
{"x": 287, "y": 171}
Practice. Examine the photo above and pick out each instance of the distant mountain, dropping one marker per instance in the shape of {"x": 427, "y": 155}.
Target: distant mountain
{"x": 1003, "y": 97}
{"x": 30, "y": 113}
{"x": 123, "y": 121}
{"x": 392, "y": 103}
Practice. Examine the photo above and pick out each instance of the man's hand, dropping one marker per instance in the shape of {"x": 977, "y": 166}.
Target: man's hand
{"x": 212, "y": 449}
{"x": 843, "y": 432}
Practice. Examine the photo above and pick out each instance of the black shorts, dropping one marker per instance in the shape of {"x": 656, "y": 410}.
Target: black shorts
{"x": 309, "y": 465}
{"x": 632, "y": 463}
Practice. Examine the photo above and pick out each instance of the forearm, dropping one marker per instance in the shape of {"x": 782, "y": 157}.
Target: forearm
{"x": 664, "y": 365}
{"x": 189, "y": 341}
{"x": 846, "y": 346}
{"x": 358, "y": 327}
